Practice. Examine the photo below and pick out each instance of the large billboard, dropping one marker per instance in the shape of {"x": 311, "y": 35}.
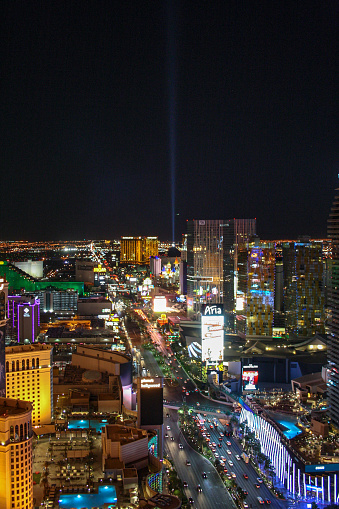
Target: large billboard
{"x": 150, "y": 402}
{"x": 249, "y": 378}
{"x": 159, "y": 304}
{"x": 212, "y": 333}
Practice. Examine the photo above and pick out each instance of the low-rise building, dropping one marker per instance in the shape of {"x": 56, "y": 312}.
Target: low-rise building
{"x": 309, "y": 385}
{"x": 126, "y": 446}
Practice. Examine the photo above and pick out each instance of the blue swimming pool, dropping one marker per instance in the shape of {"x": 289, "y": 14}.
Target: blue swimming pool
{"x": 85, "y": 423}
{"x": 292, "y": 430}
{"x": 105, "y": 495}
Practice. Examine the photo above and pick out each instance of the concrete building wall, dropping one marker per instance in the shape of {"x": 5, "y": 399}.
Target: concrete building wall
{"x": 94, "y": 308}
{"x": 134, "y": 451}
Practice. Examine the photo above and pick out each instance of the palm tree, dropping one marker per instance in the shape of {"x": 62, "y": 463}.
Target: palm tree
{"x": 44, "y": 482}
{"x": 271, "y": 472}
{"x": 241, "y": 493}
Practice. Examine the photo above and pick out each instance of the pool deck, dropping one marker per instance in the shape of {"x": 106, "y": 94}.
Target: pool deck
{"x": 42, "y": 454}
{"x": 100, "y": 495}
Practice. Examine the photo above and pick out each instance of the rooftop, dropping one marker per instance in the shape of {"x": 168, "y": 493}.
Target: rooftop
{"x": 27, "y": 348}
{"x": 312, "y": 377}
{"x": 10, "y": 407}
{"x": 124, "y": 434}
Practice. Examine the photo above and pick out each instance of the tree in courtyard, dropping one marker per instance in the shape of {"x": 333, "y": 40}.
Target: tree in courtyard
{"x": 44, "y": 483}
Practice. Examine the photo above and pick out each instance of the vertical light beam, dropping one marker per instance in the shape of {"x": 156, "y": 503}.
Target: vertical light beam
{"x": 172, "y": 102}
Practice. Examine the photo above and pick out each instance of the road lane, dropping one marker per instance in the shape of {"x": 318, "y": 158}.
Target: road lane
{"x": 214, "y": 494}
{"x": 240, "y": 468}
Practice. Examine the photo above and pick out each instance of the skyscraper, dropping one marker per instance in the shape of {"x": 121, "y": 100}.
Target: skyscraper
{"x": 138, "y": 250}
{"x": 255, "y": 309}
{"x": 23, "y": 317}
{"x": 333, "y": 297}
{"x": 29, "y": 376}
{"x": 16, "y": 451}
{"x": 212, "y": 260}
{"x": 303, "y": 288}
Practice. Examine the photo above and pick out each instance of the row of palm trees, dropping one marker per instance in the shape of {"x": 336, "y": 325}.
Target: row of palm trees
{"x": 252, "y": 445}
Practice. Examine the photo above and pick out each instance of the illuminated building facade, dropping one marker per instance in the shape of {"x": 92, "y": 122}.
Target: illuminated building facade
{"x": 150, "y": 248}
{"x": 58, "y": 301}
{"x": 212, "y": 260}
{"x": 29, "y": 376}
{"x": 3, "y": 324}
{"x": 23, "y": 317}
{"x": 303, "y": 288}
{"x": 255, "y": 298}
{"x": 138, "y": 250}
{"x": 305, "y": 480}
{"x": 99, "y": 275}
{"x": 155, "y": 265}
{"x": 333, "y": 298}
{"x": 131, "y": 250}
{"x": 16, "y": 461}
{"x": 19, "y": 280}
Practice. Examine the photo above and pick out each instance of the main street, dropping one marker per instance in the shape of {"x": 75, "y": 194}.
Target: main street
{"x": 213, "y": 491}
{"x": 214, "y": 494}
{"x": 240, "y": 468}
{"x": 176, "y": 394}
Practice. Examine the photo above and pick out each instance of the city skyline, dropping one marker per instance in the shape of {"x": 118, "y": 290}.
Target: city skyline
{"x": 85, "y": 124}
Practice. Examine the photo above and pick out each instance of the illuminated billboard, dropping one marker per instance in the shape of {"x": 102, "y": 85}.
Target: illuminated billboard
{"x": 249, "y": 378}
{"x": 159, "y": 304}
{"x": 150, "y": 401}
{"x": 212, "y": 333}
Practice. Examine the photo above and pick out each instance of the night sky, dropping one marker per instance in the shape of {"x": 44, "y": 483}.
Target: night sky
{"x": 89, "y": 90}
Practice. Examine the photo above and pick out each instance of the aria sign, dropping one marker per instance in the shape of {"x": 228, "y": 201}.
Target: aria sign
{"x": 212, "y": 334}
{"x": 211, "y": 310}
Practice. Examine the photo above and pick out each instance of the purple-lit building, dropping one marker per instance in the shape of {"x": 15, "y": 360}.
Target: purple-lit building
{"x": 3, "y": 323}
{"x": 23, "y": 313}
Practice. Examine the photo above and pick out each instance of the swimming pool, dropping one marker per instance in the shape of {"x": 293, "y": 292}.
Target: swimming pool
{"x": 105, "y": 495}
{"x": 85, "y": 423}
{"x": 291, "y": 431}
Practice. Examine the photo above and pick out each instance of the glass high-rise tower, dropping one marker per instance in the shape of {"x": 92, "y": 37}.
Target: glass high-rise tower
{"x": 212, "y": 260}
{"x": 333, "y": 299}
